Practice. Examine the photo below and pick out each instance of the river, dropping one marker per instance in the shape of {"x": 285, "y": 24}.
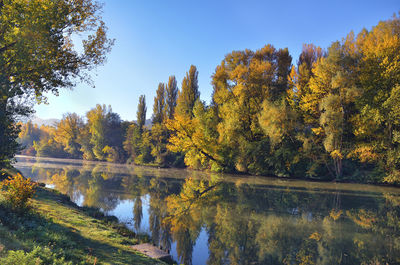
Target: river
{"x": 205, "y": 218}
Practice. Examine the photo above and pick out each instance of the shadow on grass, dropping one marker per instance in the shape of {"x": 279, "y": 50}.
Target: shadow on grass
{"x": 30, "y": 229}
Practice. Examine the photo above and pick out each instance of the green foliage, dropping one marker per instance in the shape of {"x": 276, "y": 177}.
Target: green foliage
{"x": 36, "y": 257}
{"x": 8, "y": 137}
{"x": 132, "y": 142}
{"x": 159, "y": 105}
{"x": 49, "y": 148}
{"x": 171, "y": 91}
{"x": 159, "y": 136}
{"x": 59, "y": 232}
{"x": 141, "y": 112}
{"x": 37, "y": 55}
{"x": 105, "y": 134}
{"x": 189, "y": 93}
{"x": 145, "y": 147}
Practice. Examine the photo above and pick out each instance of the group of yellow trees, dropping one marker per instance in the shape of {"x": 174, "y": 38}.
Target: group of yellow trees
{"x": 100, "y": 138}
{"x": 333, "y": 115}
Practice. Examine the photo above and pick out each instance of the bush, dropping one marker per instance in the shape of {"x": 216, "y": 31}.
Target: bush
{"x": 37, "y": 256}
{"x": 18, "y": 191}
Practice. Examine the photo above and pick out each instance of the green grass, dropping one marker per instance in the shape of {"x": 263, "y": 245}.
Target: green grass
{"x": 56, "y": 231}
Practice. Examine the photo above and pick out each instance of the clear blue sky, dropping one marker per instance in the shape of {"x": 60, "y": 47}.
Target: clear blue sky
{"x": 156, "y": 39}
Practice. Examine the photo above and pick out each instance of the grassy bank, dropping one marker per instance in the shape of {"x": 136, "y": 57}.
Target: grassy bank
{"x": 56, "y": 231}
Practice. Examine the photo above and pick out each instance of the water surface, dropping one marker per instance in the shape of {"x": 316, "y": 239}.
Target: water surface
{"x": 205, "y": 218}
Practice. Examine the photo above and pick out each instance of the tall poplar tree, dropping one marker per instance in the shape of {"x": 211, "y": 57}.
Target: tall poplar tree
{"x": 159, "y": 104}
{"x": 171, "y": 91}
{"x": 141, "y": 112}
{"x": 189, "y": 93}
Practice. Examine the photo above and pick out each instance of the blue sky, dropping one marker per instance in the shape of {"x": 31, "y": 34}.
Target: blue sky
{"x": 156, "y": 39}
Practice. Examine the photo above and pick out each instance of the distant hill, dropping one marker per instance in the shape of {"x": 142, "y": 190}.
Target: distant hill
{"x": 47, "y": 122}
{"x": 52, "y": 122}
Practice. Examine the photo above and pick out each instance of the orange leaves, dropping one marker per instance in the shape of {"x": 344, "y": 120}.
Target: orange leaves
{"x": 366, "y": 154}
{"x": 316, "y": 236}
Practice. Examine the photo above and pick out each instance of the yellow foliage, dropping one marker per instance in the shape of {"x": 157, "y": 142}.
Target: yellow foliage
{"x": 393, "y": 177}
{"x": 316, "y": 236}
{"x": 363, "y": 218}
{"x": 335, "y": 214}
{"x": 18, "y": 190}
{"x": 183, "y": 129}
{"x": 317, "y": 131}
{"x": 336, "y": 154}
{"x": 364, "y": 154}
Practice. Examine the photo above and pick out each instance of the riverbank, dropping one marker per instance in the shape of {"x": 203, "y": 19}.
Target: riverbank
{"x": 182, "y": 172}
{"x": 57, "y": 231}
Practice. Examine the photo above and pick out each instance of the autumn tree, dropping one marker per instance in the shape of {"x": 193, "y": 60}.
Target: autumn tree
{"x": 105, "y": 135}
{"x": 46, "y": 146}
{"x": 190, "y": 130}
{"x": 67, "y": 133}
{"x": 242, "y": 83}
{"x": 158, "y": 130}
{"x": 298, "y": 88}
{"x": 159, "y": 105}
{"x": 141, "y": 112}
{"x": 28, "y": 134}
{"x": 189, "y": 93}
{"x": 376, "y": 124}
{"x": 171, "y": 91}
{"x": 38, "y": 54}
{"x": 138, "y": 139}
{"x": 182, "y": 123}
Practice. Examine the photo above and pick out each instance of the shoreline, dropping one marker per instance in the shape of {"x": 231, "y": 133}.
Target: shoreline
{"x": 67, "y": 231}
{"x": 182, "y": 171}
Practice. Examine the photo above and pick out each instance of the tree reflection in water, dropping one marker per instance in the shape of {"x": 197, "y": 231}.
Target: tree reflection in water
{"x": 270, "y": 223}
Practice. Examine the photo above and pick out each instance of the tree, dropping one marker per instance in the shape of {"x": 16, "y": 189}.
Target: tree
{"x": 197, "y": 138}
{"x": 242, "y": 83}
{"x": 138, "y": 139}
{"x": 330, "y": 103}
{"x": 159, "y": 105}
{"x": 47, "y": 146}
{"x": 171, "y": 91}
{"x": 132, "y": 142}
{"x": 38, "y": 55}
{"x": 191, "y": 119}
{"x": 97, "y": 128}
{"x": 141, "y": 112}
{"x": 189, "y": 93}
{"x": 376, "y": 124}
{"x": 29, "y": 133}
{"x": 298, "y": 88}
{"x": 67, "y": 133}
{"x": 105, "y": 134}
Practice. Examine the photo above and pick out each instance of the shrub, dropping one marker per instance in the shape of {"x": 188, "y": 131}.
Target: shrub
{"x": 18, "y": 190}
{"x": 37, "y": 256}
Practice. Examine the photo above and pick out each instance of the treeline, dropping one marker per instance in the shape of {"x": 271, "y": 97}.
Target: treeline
{"x": 335, "y": 114}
